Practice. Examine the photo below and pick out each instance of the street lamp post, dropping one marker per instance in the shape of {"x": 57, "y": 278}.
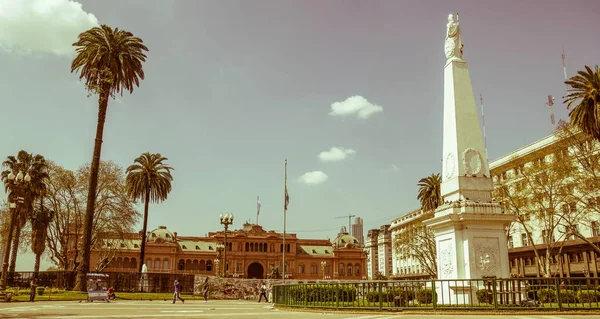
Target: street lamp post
{"x": 17, "y": 181}
{"x": 323, "y": 265}
{"x": 225, "y": 220}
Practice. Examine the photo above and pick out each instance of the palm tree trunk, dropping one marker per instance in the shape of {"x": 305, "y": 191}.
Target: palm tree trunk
{"x": 84, "y": 266}
{"x": 15, "y": 251}
{"x": 143, "y": 247}
{"x": 36, "y": 266}
{"x": 11, "y": 226}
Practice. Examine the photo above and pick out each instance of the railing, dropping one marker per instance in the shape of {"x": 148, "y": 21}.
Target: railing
{"x": 558, "y": 294}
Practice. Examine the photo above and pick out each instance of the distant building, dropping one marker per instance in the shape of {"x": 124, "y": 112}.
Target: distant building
{"x": 372, "y": 253}
{"x": 378, "y": 248}
{"x": 252, "y": 252}
{"x": 357, "y": 231}
{"x": 384, "y": 248}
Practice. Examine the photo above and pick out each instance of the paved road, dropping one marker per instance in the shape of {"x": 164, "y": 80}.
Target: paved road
{"x": 212, "y": 309}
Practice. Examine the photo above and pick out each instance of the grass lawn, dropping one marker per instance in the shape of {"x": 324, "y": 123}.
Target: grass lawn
{"x": 63, "y": 295}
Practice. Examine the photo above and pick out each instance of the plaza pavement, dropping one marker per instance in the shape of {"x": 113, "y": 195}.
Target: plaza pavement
{"x": 213, "y": 309}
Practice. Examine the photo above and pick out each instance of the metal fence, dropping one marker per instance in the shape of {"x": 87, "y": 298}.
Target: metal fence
{"x": 558, "y": 294}
{"x": 120, "y": 281}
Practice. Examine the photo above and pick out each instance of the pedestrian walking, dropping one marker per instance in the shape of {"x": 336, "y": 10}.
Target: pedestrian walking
{"x": 263, "y": 292}
{"x": 205, "y": 290}
{"x": 176, "y": 294}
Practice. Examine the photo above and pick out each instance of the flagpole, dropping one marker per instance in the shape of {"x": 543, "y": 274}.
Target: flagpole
{"x": 285, "y": 195}
{"x": 257, "y": 209}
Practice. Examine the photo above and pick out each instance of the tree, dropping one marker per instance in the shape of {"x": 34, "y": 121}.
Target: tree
{"x": 114, "y": 211}
{"x": 584, "y": 94}
{"x": 110, "y": 60}
{"x": 417, "y": 242}
{"x": 582, "y": 149}
{"x": 40, "y": 219}
{"x": 540, "y": 196}
{"x": 148, "y": 179}
{"x": 34, "y": 168}
{"x": 429, "y": 192}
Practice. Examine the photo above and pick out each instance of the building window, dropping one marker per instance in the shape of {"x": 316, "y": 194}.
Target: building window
{"x": 314, "y": 269}
{"x": 349, "y": 269}
{"x": 357, "y": 269}
{"x": 166, "y": 264}
{"x": 524, "y": 240}
{"x": 595, "y": 228}
{"x": 301, "y": 268}
{"x": 341, "y": 269}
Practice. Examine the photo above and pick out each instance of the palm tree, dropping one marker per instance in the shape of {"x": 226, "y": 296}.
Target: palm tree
{"x": 584, "y": 94}
{"x": 37, "y": 169}
{"x": 110, "y": 60}
{"x": 40, "y": 219}
{"x": 148, "y": 179}
{"x": 429, "y": 192}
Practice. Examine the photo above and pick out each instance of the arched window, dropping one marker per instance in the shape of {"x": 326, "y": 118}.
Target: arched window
{"x": 349, "y": 269}
{"x": 157, "y": 264}
{"x": 165, "y": 264}
{"x": 341, "y": 269}
{"x": 357, "y": 269}
{"x": 119, "y": 263}
{"x": 251, "y": 247}
{"x": 133, "y": 263}
{"x": 247, "y": 247}
{"x": 195, "y": 264}
{"x": 188, "y": 264}
{"x": 301, "y": 268}
{"x": 149, "y": 263}
{"x": 209, "y": 265}
{"x": 126, "y": 263}
{"x": 202, "y": 265}
{"x": 181, "y": 264}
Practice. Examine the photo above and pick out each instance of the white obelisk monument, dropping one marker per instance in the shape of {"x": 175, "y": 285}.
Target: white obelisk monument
{"x": 470, "y": 229}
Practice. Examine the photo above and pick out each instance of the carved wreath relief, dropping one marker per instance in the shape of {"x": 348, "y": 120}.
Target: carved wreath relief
{"x": 472, "y": 161}
{"x": 487, "y": 255}
{"x": 450, "y": 165}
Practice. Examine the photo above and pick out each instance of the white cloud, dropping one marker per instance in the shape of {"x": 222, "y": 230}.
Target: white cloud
{"x": 313, "y": 178}
{"x": 49, "y": 26}
{"x": 355, "y": 104}
{"x": 336, "y": 154}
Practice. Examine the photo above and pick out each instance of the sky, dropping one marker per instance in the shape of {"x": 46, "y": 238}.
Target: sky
{"x": 350, "y": 92}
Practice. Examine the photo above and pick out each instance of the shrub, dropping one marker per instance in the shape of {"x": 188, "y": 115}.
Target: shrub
{"x": 40, "y": 290}
{"x": 425, "y": 295}
{"x": 567, "y": 296}
{"x": 484, "y": 295}
{"x": 323, "y": 293}
{"x": 588, "y": 296}
{"x": 389, "y": 295}
{"x": 546, "y": 295}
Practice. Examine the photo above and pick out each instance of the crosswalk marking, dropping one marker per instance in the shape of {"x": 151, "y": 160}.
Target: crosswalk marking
{"x": 375, "y": 317}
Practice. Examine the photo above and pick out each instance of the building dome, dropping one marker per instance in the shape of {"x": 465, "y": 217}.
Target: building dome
{"x": 345, "y": 240}
{"x": 161, "y": 234}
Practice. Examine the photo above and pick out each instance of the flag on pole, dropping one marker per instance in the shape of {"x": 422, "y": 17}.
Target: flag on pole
{"x": 287, "y": 196}
{"x": 257, "y": 205}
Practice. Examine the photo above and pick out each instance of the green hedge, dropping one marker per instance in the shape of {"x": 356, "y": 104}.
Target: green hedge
{"x": 485, "y": 296}
{"x": 323, "y": 293}
{"x": 588, "y": 296}
{"x": 388, "y": 295}
{"x": 425, "y": 295}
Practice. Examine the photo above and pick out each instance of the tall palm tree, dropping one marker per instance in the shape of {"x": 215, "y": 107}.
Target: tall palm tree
{"x": 37, "y": 168}
{"x": 110, "y": 60}
{"x": 148, "y": 179}
{"x": 40, "y": 219}
{"x": 584, "y": 94}
{"x": 429, "y": 192}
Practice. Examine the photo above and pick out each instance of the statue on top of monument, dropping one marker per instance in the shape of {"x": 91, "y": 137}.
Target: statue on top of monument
{"x": 453, "y": 47}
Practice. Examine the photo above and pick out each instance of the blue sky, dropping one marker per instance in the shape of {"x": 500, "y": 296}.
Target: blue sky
{"x": 233, "y": 88}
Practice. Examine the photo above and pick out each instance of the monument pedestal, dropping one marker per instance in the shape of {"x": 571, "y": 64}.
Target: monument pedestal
{"x": 470, "y": 245}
